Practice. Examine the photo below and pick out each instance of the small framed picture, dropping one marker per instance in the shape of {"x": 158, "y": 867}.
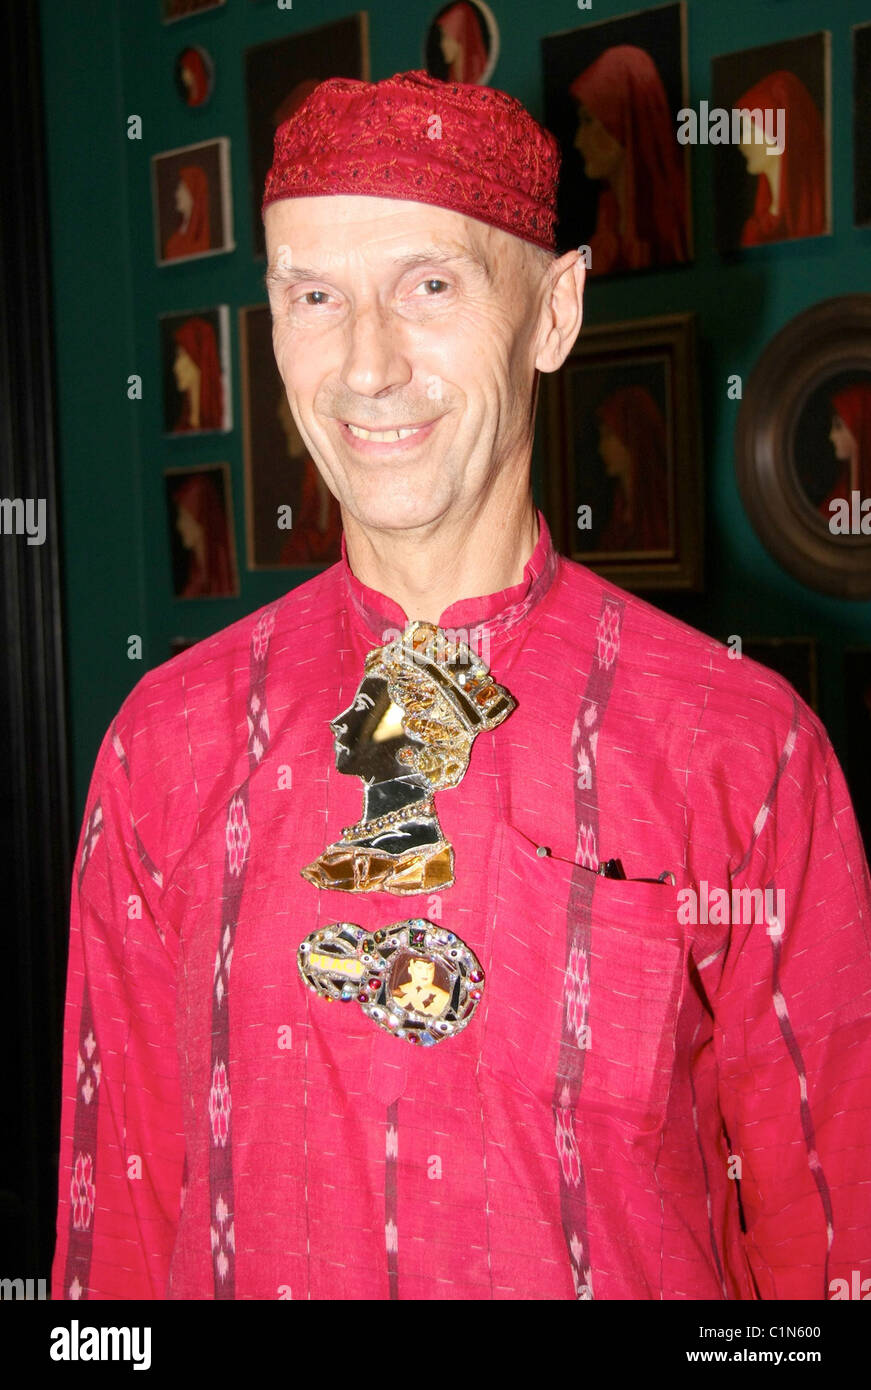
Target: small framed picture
{"x": 862, "y": 124}
{"x": 201, "y": 532}
{"x": 772, "y": 179}
{"x": 172, "y": 10}
{"x": 794, "y": 658}
{"x": 613, "y": 94}
{"x": 193, "y": 211}
{"x": 462, "y": 43}
{"x": 622, "y": 476}
{"x": 195, "y": 360}
{"x": 803, "y": 447}
{"x": 279, "y": 75}
{"x": 194, "y": 76}
{"x": 292, "y": 518}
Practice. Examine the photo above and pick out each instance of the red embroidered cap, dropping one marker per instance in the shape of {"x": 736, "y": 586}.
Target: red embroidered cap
{"x": 457, "y": 145}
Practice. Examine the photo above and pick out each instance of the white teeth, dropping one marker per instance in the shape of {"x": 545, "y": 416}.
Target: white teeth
{"x": 382, "y": 436}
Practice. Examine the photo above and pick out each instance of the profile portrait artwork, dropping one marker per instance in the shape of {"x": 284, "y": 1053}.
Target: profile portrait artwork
{"x": 773, "y": 183}
{"x": 194, "y": 75}
{"x": 192, "y": 201}
{"x": 279, "y": 75}
{"x": 633, "y": 448}
{"x": 195, "y": 357}
{"x": 612, "y": 93}
{"x": 803, "y": 446}
{"x": 292, "y": 518}
{"x": 408, "y": 733}
{"x": 415, "y": 979}
{"x": 832, "y": 451}
{"x": 201, "y": 532}
{"x": 623, "y": 470}
{"x": 462, "y": 43}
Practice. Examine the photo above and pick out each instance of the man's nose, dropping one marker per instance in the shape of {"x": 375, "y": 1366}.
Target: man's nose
{"x": 374, "y": 360}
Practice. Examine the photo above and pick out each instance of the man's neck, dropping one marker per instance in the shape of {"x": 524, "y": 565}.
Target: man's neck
{"x": 428, "y": 569}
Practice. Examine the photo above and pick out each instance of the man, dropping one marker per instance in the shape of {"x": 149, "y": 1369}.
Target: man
{"x": 623, "y": 1094}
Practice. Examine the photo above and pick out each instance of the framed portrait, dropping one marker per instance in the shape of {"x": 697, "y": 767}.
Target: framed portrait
{"x": 292, "y": 519}
{"x": 623, "y": 485}
{"x": 195, "y": 370}
{"x": 794, "y": 658}
{"x": 420, "y": 983}
{"x": 613, "y": 91}
{"x": 201, "y": 533}
{"x": 194, "y": 75}
{"x": 279, "y": 75}
{"x": 182, "y": 9}
{"x": 772, "y": 167}
{"x": 193, "y": 210}
{"x": 462, "y": 43}
{"x": 857, "y": 695}
{"x": 862, "y": 124}
{"x": 803, "y": 447}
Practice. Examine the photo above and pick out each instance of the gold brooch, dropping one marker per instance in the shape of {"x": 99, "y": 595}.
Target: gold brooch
{"x": 414, "y": 979}
{"x": 408, "y": 734}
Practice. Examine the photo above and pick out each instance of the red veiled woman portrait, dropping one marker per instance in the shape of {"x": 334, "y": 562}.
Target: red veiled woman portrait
{"x": 627, "y": 136}
{"x": 461, "y": 43}
{"x": 634, "y": 449}
{"x": 791, "y": 182}
{"x": 194, "y": 75}
{"x": 197, "y": 372}
{"x": 202, "y": 525}
{"x": 193, "y": 234}
{"x": 850, "y": 437}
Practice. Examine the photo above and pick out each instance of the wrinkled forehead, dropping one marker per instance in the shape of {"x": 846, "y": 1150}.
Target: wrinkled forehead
{"x": 325, "y": 233}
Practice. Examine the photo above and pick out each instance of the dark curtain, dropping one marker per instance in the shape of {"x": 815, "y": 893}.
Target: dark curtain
{"x": 35, "y": 812}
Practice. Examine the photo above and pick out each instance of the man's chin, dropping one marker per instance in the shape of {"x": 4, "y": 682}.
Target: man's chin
{"x": 385, "y": 513}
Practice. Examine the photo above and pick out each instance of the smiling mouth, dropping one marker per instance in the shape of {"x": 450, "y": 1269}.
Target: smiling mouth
{"x": 387, "y": 436}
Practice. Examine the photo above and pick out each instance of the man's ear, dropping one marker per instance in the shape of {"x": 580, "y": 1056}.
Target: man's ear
{"x": 562, "y": 311}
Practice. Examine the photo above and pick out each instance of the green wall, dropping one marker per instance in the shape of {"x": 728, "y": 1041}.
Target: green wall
{"x": 108, "y": 59}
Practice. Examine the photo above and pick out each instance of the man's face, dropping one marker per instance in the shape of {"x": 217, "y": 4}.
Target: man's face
{"x": 406, "y": 317}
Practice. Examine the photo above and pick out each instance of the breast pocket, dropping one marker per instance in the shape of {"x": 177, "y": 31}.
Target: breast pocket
{"x": 585, "y": 982}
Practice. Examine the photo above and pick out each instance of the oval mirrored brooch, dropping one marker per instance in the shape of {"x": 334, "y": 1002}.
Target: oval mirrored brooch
{"x": 414, "y": 979}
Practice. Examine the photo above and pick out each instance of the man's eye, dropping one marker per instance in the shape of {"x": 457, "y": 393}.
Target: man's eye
{"x": 434, "y": 281}
{"x": 308, "y": 295}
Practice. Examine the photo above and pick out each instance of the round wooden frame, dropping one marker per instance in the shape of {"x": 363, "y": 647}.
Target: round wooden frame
{"x": 828, "y": 339}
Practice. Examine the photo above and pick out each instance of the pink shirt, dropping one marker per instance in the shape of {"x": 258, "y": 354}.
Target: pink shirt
{"x": 628, "y": 1073}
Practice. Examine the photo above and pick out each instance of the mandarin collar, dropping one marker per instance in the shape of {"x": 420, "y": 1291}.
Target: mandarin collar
{"x": 499, "y": 612}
